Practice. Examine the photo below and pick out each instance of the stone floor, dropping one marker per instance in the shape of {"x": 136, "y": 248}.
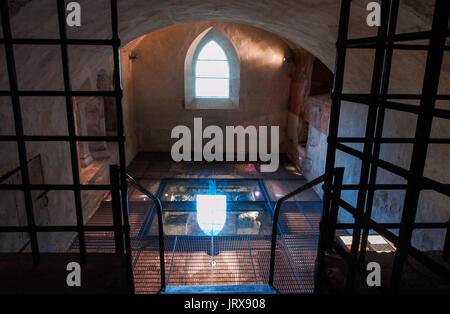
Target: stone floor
{"x": 242, "y": 259}
{"x": 160, "y": 165}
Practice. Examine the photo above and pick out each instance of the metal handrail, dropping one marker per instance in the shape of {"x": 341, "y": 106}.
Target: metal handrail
{"x": 141, "y": 189}
{"x": 275, "y": 221}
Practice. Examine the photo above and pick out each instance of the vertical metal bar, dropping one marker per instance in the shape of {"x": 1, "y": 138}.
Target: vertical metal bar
{"x": 71, "y": 129}
{"x": 326, "y": 238}
{"x": 338, "y": 83}
{"x": 274, "y": 243}
{"x": 126, "y": 229}
{"x": 423, "y": 130}
{"x": 368, "y": 145}
{"x": 337, "y": 189}
{"x": 161, "y": 244}
{"x": 116, "y": 208}
{"x": 446, "y": 243}
{"x": 213, "y": 263}
{"x": 171, "y": 260}
{"x": 380, "y": 124}
{"x": 121, "y": 143}
{"x": 21, "y": 147}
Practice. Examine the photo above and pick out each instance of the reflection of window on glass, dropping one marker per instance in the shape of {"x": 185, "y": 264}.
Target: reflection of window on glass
{"x": 212, "y": 72}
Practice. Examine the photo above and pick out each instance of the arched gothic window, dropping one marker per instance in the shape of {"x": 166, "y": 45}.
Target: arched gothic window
{"x": 212, "y": 73}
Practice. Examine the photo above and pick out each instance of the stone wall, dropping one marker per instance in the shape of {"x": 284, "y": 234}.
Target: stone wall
{"x": 158, "y": 83}
{"x": 39, "y": 67}
{"x": 312, "y": 25}
{"x": 314, "y": 154}
{"x": 309, "y": 114}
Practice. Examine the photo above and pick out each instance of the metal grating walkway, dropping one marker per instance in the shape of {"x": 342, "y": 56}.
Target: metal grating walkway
{"x": 192, "y": 261}
{"x": 103, "y": 241}
{"x": 240, "y": 259}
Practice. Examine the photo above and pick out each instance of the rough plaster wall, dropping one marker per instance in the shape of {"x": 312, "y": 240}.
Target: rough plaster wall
{"x": 318, "y": 112}
{"x": 316, "y": 151}
{"x": 40, "y": 68}
{"x": 129, "y": 112}
{"x": 16, "y": 5}
{"x": 158, "y": 83}
{"x": 301, "y": 75}
{"x": 12, "y": 207}
{"x": 313, "y": 25}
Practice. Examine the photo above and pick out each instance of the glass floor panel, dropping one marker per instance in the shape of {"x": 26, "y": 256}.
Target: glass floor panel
{"x": 241, "y": 219}
{"x": 240, "y": 190}
{"x": 183, "y": 190}
{"x": 235, "y": 190}
{"x": 279, "y": 188}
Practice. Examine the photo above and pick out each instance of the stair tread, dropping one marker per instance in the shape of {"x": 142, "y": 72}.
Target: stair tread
{"x": 220, "y": 289}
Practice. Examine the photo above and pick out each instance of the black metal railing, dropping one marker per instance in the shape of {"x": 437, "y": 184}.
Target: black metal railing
{"x": 157, "y": 202}
{"x": 378, "y": 101}
{"x": 338, "y": 174}
{"x": 120, "y": 228}
{"x": 121, "y": 222}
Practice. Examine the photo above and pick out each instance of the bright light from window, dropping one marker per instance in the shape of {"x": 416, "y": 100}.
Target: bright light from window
{"x": 376, "y": 239}
{"x": 347, "y": 240}
{"x": 211, "y": 88}
{"x": 212, "y": 72}
{"x": 212, "y": 51}
{"x": 376, "y": 243}
{"x": 211, "y": 213}
{"x": 212, "y": 69}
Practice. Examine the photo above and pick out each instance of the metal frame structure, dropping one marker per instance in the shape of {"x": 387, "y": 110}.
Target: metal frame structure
{"x": 377, "y": 101}
{"x": 159, "y": 204}
{"x": 159, "y": 214}
{"x": 266, "y": 203}
{"x": 338, "y": 175}
{"x": 118, "y": 186}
